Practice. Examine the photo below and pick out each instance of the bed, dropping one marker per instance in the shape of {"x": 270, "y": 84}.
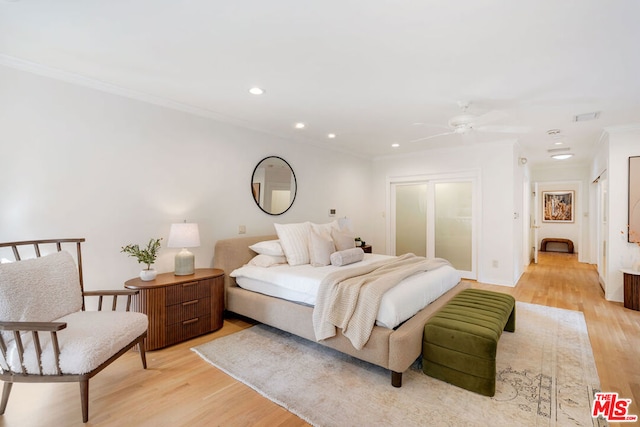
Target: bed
{"x": 393, "y": 349}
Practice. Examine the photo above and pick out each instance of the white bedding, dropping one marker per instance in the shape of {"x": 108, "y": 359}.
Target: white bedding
{"x": 300, "y": 284}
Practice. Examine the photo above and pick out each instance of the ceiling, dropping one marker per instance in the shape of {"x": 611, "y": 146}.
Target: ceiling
{"x": 367, "y": 71}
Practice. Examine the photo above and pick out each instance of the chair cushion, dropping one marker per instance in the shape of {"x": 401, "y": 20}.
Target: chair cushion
{"x": 39, "y": 289}
{"x": 90, "y": 338}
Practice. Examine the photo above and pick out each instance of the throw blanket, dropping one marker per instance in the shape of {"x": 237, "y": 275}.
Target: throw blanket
{"x": 350, "y": 299}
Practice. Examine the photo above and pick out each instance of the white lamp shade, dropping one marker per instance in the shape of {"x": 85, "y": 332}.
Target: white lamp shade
{"x": 184, "y": 235}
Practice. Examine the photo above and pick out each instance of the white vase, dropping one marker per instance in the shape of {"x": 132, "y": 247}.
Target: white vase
{"x": 147, "y": 275}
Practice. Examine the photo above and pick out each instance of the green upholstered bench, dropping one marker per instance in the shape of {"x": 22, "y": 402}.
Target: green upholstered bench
{"x": 460, "y": 341}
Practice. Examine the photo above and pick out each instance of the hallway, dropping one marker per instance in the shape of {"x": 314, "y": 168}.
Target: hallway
{"x": 559, "y": 280}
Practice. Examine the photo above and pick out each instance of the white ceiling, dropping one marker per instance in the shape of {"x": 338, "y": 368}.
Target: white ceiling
{"x": 365, "y": 70}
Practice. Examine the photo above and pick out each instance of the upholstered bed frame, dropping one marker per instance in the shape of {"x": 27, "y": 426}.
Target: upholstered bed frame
{"x": 393, "y": 349}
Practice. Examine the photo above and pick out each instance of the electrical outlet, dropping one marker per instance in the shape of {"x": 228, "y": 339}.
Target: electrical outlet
{"x": 332, "y": 212}
{"x": 242, "y": 229}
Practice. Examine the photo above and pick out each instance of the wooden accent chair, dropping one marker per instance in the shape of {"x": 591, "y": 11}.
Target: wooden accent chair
{"x": 46, "y": 335}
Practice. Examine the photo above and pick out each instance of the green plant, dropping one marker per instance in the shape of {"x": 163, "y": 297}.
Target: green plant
{"x": 144, "y": 256}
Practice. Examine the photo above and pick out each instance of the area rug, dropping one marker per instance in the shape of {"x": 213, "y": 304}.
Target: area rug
{"x": 546, "y": 376}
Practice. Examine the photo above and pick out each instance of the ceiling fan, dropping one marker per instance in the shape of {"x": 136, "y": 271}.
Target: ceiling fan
{"x": 467, "y": 122}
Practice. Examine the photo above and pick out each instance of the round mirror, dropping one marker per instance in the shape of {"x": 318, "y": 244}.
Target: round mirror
{"x": 273, "y": 185}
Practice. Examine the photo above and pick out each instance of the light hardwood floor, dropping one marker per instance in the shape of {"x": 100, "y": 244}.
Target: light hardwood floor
{"x": 180, "y": 389}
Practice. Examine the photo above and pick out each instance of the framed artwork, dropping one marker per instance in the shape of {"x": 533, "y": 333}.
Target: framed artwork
{"x": 557, "y": 206}
{"x": 634, "y": 200}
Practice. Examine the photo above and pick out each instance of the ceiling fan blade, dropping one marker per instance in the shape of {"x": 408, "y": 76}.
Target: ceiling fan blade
{"x": 432, "y": 125}
{"x": 503, "y": 129}
{"x": 490, "y": 117}
{"x": 432, "y": 136}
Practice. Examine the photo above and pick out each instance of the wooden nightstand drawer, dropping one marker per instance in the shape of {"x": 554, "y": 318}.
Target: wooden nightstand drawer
{"x": 186, "y": 329}
{"x": 180, "y": 307}
{"x": 188, "y": 291}
{"x": 188, "y": 310}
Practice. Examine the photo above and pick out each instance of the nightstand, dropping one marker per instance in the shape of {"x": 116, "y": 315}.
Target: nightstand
{"x": 180, "y": 307}
{"x": 366, "y": 249}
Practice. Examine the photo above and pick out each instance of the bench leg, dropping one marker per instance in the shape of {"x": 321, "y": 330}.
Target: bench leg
{"x": 396, "y": 379}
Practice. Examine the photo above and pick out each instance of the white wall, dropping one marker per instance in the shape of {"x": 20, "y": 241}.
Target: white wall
{"x": 495, "y": 165}
{"x": 622, "y": 145}
{"x": 77, "y": 162}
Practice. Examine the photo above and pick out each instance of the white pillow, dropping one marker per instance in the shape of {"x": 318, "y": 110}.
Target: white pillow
{"x": 268, "y": 247}
{"x": 267, "y": 260}
{"x": 346, "y": 257}
{"x": 320, "y": 248}
{"x": 294, "y": 239}
{"x": 343, "y": 240}
{"x": 326, "y": 229}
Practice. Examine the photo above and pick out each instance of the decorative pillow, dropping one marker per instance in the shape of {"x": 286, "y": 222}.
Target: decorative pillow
{"x": 348, "y": 256}
{"x": 320, "y": 248}
{"x": 326, "y": 229}
{"x": 343, "y": 240}
{"x": 294, "y": 239}
{"x": 267, "y": 260}
{"x": 268, "y": 247}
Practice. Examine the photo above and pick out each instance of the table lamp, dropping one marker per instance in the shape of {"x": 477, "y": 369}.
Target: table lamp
{"x": 184, "y": 235}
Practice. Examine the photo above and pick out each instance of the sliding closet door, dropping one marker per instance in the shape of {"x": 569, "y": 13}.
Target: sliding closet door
{"x": 453, "y": 228}
{"x": 411, "y": 219}
{"x": 435, "y": 218}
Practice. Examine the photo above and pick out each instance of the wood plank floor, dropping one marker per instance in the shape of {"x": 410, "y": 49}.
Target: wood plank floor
{"x": 180, "y": 389}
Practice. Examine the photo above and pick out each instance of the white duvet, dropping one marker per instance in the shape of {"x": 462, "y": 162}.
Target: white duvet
{"x": 300, "y": 284}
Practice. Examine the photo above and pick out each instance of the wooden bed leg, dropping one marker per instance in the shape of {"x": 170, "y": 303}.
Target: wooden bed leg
{"x": 396, "y": 379}
{"x": 6, "y": 390}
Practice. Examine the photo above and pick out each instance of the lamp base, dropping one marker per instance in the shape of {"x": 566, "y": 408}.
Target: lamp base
{"x": 185, "y": 262}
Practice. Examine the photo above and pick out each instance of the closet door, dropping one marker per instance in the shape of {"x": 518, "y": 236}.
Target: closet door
{"x": 435, "y": 218}
{"x": 411, "y": 219}
{"x": 453, "y": 230}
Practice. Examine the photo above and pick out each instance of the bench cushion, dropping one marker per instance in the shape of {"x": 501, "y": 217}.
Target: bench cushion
{"x": 460, "y": 341}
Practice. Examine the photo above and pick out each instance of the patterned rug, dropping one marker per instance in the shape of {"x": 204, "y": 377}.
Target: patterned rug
{"x": 546, "y": 376}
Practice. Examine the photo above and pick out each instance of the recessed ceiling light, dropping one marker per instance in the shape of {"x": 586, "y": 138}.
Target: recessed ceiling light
{"x": 331, "y": 135}
{"x": 562, "y": 156}
{"x": 256, "y": 91}
{"x": 395, "y": 145}
{"x": 558, "y": 143}
{"x": 299, "y": 125}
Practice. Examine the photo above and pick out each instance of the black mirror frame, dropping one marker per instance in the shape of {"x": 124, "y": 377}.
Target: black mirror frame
{"x": 295, "y": 181}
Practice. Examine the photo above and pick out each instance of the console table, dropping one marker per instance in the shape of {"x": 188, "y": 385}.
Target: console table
{"x": 180, "y": 307}
{"x": 631, "y": 289}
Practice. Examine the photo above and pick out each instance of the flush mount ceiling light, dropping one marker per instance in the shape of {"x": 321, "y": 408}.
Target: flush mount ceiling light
{"x": 256, "y": 91}
{"x": 562, "y": 156}
{"x": 558, "y": 150}
{"x": 586, "y": 116}
{"x": 331, "y": 135}
{"x": 395, "y": 145}
{"x": 299, "y": 125}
